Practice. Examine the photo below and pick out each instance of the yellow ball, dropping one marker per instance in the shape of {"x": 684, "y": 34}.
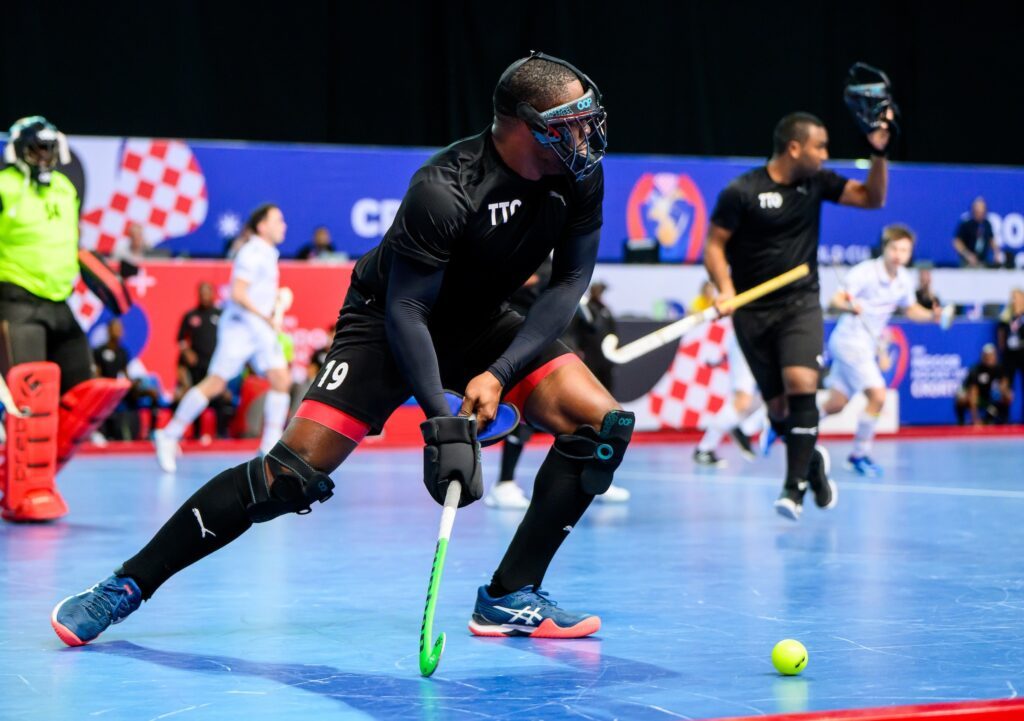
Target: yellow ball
{"x": 789, "y": 657}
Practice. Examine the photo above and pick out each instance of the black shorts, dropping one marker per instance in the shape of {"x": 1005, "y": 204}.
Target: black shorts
{"x": 37, "y": 329}
{"x": 790, "y": 333}
{"x": 361, "y": 378}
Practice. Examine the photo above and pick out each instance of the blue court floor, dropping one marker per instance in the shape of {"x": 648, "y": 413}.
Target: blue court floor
{"x": 910, "y": 591}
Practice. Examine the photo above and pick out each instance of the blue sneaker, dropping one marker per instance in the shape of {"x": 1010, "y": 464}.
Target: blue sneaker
{"x": 81, "y": 618}
{"x": 863, "y": 466}
{"x": 528, "y": 612}
{"x": 766, "y": 439}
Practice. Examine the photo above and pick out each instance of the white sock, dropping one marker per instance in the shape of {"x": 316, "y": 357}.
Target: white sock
{"x": 755, "y": 422}
{"x": 719, "y": 424}
{"x": 864, "y": 435}
{"x": 191, "y": 405}
{"x": 275, "y": 412}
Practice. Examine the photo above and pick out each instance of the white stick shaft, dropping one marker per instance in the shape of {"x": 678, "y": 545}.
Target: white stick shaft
{"x": 451, "y": 504}
{"x": 7, "y": 400}
{"x": 676, "y": 330}
{"x": 662, "y": 336}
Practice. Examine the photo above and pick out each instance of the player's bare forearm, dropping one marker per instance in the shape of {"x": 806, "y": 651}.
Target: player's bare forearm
{"x": 871, "y": 193}
{"x": 715, "y": 262}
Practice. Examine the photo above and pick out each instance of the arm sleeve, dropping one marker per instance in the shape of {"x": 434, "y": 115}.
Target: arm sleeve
{"x": 573, "y": 266}
{"x": 962, "y": 234}
{"x": 832, "y": 185}
{"x": 412, "y": 291}
{"x": 728, "y": 208}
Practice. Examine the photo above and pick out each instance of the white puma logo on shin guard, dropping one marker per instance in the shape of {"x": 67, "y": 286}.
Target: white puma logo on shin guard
{"x": 203, "y": 530}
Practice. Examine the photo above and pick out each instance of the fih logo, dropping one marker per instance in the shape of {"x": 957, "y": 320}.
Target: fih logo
{"x": 669, "y": 208}
{"x": 898, "y": 351}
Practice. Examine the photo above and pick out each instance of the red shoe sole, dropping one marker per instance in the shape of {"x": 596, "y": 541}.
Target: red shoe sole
{"x": 547, "y": 629}
{"x": 63, "y": 633}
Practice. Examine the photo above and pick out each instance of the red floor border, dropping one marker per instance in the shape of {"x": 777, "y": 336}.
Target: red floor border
{"x": 998, "y": 710}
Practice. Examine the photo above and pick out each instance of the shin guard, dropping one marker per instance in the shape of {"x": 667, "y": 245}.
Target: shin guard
{"x": 27, "y": 477}
{"x": 83, "y": 409}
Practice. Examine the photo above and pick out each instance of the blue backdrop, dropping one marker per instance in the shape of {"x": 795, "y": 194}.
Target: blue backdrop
{"x": 355, "y": 192}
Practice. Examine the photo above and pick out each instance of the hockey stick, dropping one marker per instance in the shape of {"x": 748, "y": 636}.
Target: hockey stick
{"x": 430, "y": 657}
{"x": 282, "y": 304}
{"x": 645, "y": 344}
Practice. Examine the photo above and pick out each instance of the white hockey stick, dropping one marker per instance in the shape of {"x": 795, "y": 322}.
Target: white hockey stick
{"x": 674, "y": 331}
{"x": 7, "y": 400}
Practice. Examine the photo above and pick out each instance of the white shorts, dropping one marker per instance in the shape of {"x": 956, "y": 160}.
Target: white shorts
{"x": 854, "y": 368}
{"x": 242, "y": 340}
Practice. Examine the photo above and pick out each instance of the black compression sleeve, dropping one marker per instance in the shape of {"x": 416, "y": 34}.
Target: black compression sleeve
{"x": 412, "y": 291}
{"x": 570, "y": 275}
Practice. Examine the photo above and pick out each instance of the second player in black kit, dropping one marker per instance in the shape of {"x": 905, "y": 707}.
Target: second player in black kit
{"x": 426, "y": 311}
{"x": 767, "y": 221}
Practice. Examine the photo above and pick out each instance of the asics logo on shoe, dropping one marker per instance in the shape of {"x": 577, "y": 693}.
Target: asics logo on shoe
{"x": 203, "y": 530}
{"x": 529, "y": 615}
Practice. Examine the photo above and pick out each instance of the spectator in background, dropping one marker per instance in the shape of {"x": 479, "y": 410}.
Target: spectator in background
{"x": 703, "y": 300}
{"x": 594, "y": 323}
{"x": 197, "y": 339}
{"x": 1010, "y": 337}
{"x": 926, "y": 297}
{"x": 986, "y": 393}
{"x": 975, "y": 240}
{"x": 112, "y": 361}
{"x": 320, "y": 247}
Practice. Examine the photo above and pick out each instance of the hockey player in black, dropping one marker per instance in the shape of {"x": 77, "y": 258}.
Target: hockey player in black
{"x": 425, "y": 312}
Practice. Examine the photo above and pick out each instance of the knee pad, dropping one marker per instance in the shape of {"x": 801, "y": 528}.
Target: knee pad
{"x": 296, "y": 485}
{"x": 601, "y": 451}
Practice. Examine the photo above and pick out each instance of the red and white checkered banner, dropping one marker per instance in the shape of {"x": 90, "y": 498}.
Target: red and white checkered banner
{"x": 696, "y": 386}
{"x": 159, "y": 185}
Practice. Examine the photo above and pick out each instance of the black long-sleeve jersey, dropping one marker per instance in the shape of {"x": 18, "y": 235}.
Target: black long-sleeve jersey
{"x": 468, "y": 234}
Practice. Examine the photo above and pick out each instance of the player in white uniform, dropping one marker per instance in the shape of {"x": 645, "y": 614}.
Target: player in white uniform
{"x": 246, "y": 333}
{"x": 744, "y": 416}
{"x": 872, "y": 292}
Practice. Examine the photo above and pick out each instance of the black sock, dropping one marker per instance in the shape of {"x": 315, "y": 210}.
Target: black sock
{"x": 558, "y": 503}
{"x": 801, "y": 437}
{"x": 780, "y": 426}
{"x": 512, "y": 450}
{"x": 212, "y": 518}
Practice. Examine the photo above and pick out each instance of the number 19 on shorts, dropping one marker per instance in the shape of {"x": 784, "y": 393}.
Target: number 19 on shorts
{"x": 336, "y": 373}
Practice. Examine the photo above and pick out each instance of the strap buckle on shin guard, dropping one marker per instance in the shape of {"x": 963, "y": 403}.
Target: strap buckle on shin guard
{"x": 601, "y": 451}
{"x": 296, "y": 485}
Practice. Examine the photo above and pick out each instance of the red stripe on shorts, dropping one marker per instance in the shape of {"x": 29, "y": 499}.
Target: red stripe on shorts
{"x": 330, "y": 417}
{"x": 522, "y": 390}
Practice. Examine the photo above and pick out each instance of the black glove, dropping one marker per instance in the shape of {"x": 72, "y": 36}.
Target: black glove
{"x": 451, "y": 452}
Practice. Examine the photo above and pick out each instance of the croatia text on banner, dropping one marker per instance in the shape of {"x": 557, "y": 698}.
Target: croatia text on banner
{"x": 191, "y": 197}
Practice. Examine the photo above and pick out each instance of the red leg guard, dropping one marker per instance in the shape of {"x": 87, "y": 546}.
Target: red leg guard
{"x": 83, "y": 409}
{"x": 27, "y": 477}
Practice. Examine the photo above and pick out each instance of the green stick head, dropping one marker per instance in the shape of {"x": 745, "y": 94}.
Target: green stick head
{"x": 430, "y": 659}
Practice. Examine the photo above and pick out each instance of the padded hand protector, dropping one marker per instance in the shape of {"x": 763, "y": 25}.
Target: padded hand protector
{"x": 452, "y": 453}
